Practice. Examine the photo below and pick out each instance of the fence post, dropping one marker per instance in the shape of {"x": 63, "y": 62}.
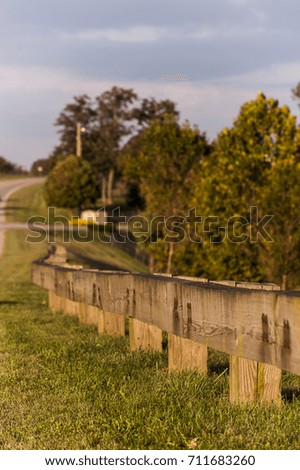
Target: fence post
{"x": 184, "y": 354}
{"x": 144, "y": 336}
{"x": 54, "y": 302}
{"x": 113, "y": 324}
{"x": 250, "y": 380}
{"x": 91, "y": 315}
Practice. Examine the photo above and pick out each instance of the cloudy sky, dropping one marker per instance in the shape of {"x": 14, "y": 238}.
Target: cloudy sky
{"x": 52, "y": 50}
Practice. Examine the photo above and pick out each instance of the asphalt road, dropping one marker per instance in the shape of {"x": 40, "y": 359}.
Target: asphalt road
{"x": 7, "y": 188}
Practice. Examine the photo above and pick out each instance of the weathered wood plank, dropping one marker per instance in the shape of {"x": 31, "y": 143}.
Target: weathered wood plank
{"x": 101, "y": 325}
{"x": 92, "y": 315}
{"x": 251, "y": 380}
{"x": 144, "y": 336}
{"x": 71, "y": 308}
{"x": 287, "y": 345}
{"x": 269, "y": 383}
{"x": 260, "y": 325}
{"x": 184, "y": 354}
{"x": 243, "y": 379}
{"x": 114, "y": 324}
{"x": 54, "y": 302}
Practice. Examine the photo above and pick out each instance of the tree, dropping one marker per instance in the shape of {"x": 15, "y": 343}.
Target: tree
{"x": 164, "y": 167}
{"x": 296, "y": 93}
{"x": 110, "y": 119}
{"x": 79, "y": 111}
{"x": 71, "y": 184}
{"x": 45, "y": 164}
{"x": 281, "y": 198}
{"x": 233, "y": 180}
{"x": 7, "y": 167}
{"x": 110, "y": 126}
{"x": 146, "y": 112}
{"x": 149, "y": 109}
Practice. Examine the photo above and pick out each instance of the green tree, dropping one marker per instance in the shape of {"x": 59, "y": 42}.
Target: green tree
{"x": 82, "y": 111}
{"x": 296, "y": 93}
{"x": 164, "y": 166}
{"x": 112, "y": 123}
{"x": 281, "y": 198}
{"x": 71, "y": 184}
{"x": 46, "y": 164}
{"x": 233, "y": 180}
{"x": 146, "y": 112}
{"x": 149, "y": 109}
{"x": 7, "y": 167}
{"x": 109, "y": 121}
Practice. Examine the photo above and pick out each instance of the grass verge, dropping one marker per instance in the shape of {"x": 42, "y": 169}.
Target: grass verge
{"x": 65, "y": 387}
{"x": 84, "y": 247}
{"x": 5, "y": 177}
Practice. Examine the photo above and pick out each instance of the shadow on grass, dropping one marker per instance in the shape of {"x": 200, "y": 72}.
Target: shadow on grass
{"x": 289, "y": 393}
{"x": 4, "y": 303}
{"x": 89, "y": 262}
{"x": 11, "y": 208}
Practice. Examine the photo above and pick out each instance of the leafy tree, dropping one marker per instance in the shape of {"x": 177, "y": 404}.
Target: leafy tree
{"x": 233, "y": 180}
{"x": 45, "y": 163}
{"x": 110, "y": 126}
{"x": 79, "y": 111}
{"x": 168, "y": 157}
{"x": 149, "y": 109}
{"x": 7, "y": 167}
{"x": 146, "y": 112}
{"x": 108, "y": 121}
{"x": 71, "y": 184}
{"x": 281, "y": 198}
{"x": 296, "y": 93}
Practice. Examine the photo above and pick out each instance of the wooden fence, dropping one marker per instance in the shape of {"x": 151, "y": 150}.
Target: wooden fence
{"x": 256, "y": 324}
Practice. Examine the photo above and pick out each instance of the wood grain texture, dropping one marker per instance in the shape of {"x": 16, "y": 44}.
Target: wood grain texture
{"x": 250, "y": 380}
{"x": 243, "y": 380}
{"x": 92, "y": 314}
{"x": 114, "y": 324}
{"x": 269, "y": 383}
{"x": 144, "y": 336}
{"x": 252, "y": 323}
{"x": 101, "y": 325}
{"x": 55, "y": 302}
{"x": 184, "y": 354}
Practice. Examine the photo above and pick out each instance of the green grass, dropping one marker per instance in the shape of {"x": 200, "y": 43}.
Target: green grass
{"x": 12, "y": 177}
{"x": 28, "y": 202}
{"x": 85, "y": 248}
{"x": 63, "y": 386}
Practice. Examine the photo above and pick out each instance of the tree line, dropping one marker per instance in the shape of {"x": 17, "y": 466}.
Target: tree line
{"x": 222, "y": 209}
{"x": 9, "y": 168}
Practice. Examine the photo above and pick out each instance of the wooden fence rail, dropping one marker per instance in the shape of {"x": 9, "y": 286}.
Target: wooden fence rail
{"x": 256, "y": 324}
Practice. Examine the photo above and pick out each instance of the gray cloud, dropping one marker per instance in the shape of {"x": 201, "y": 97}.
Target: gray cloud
{"x": 68, "y": 15}
{"x": 54, "y": 49}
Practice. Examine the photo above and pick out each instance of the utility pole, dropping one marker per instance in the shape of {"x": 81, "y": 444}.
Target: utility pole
{"x": 79, "y": 130}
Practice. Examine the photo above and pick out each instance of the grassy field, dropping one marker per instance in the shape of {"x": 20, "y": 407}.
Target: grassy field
{"x": 65, "y": 387}
{"x": 29, "y": 201}
{"x": 12, "y": 177}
